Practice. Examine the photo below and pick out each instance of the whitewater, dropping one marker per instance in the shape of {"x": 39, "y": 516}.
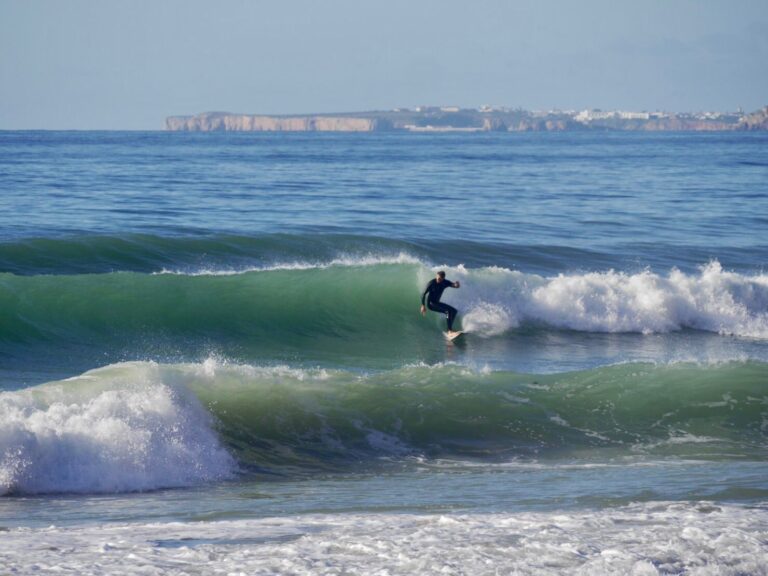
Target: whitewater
{"x": 212, "y": 357}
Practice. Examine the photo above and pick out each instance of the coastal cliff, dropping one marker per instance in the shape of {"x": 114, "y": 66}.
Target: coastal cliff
{"x": 486, "y": 119}
{"x": 218, "y": 121}
{"x": 755, "y": 121}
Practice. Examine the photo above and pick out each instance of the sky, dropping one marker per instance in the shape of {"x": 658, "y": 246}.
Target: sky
{"x": 127, "y": 64}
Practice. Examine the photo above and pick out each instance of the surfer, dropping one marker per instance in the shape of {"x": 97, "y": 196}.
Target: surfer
{"x": 432, "y": 294}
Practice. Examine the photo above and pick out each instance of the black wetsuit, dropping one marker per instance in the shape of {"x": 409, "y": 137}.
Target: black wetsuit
{"x": 432, "y": 293}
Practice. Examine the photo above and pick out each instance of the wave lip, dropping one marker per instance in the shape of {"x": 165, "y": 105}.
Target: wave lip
{"x": 346, "y": 261}
{"x": 116, "y": 429}
{"x": 145, "y": 253}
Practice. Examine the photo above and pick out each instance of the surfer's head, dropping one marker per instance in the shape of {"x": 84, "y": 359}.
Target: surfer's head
{"x": 440, "y": 276}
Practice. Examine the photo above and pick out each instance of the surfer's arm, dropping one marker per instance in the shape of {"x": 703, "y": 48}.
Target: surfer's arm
{"x": 424, "y": 294}
{"x": 456, "y": 284}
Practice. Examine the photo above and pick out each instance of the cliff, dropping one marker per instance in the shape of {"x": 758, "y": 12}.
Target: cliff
{"x": 218, "y": 121}
{"x": 755, "y": 121}
{"x": 486, "y": 119}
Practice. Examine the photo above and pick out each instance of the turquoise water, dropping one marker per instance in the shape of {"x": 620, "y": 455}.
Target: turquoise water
{"x": 222, "y": 331}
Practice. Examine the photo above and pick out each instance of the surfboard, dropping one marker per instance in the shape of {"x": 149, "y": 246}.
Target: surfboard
{"x": 453, "y": 336}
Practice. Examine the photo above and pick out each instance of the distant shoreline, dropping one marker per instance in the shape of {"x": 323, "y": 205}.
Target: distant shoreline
{"x": 486, "y": 119}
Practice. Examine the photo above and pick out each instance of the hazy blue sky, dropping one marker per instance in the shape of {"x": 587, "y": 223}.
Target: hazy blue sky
{"x": 129, "y": 63}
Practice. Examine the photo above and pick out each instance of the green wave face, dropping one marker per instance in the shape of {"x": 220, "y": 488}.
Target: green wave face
{"x": 449, "y": 411}
{"x": 277, "y": 418}
{"x": 281, "y": 313}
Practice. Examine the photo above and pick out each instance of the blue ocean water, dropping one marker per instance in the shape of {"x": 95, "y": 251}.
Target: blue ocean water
{"x": 220, "y": 333}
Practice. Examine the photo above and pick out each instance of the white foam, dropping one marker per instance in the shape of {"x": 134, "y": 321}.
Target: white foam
{"x": 488, "y": 319}
{"x": 212, "y": 367}
{"x": 344, "y": 261}
{"x": 643, "y": 539}
{"x": 120, "y": 428}
{"x": 494, "y": 300}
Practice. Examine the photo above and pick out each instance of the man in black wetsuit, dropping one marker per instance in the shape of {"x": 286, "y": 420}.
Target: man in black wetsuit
{"x": 432, "y": 294}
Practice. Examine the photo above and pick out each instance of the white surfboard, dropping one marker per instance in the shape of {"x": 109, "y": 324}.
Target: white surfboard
{"x": 452, "y": 337}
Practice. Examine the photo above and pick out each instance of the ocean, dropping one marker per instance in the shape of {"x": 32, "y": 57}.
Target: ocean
{"x": 212, "y": 358}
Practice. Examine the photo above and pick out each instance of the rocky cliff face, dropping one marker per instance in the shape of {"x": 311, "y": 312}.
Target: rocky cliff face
{"x": 681, "y": 124}
{"x": 214, "y": 121}
{"x": 544, "y": 125}
{"x": 755, "y": 121}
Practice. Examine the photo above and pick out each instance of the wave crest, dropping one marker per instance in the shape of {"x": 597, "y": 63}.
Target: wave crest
{"x": 116, "y": 429}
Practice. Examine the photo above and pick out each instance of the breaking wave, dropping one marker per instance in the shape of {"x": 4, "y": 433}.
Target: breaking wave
{"x": 141, "y": 425}
{"x": 301, "y": 305}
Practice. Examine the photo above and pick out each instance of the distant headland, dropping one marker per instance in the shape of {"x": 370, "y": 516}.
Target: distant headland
{"x": 483, "y": 119}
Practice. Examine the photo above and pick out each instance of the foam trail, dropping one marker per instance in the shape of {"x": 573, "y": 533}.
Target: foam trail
{"x": 110, "y": 430}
